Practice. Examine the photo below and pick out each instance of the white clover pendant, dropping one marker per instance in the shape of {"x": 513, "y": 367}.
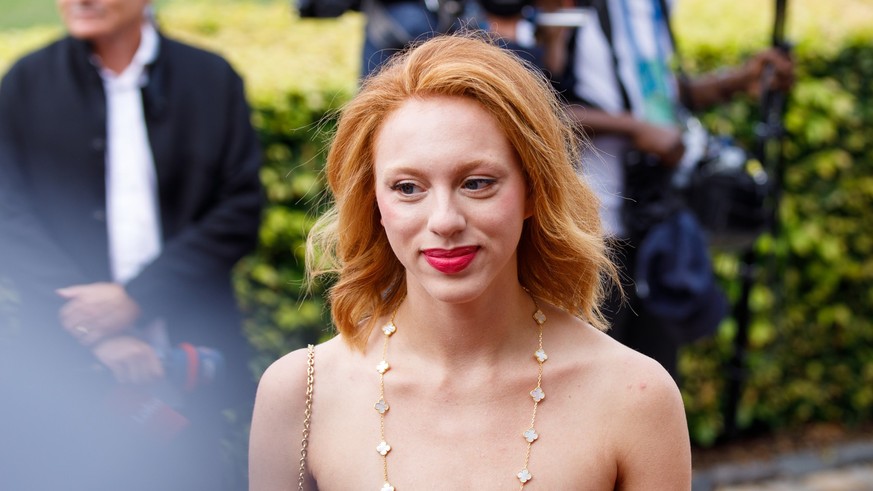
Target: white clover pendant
{"x": 389, "y": 328}
{"x": 539, "y": 316}
{"x": 381, "y": 406}
{"x": 524, "y": 476}
{"x": 383, "y": 367}
{"x": 530, "y": 435}
{"x": 538, "y": 394}
{"x": 383, "y": 448}
{"x": 541, "y": 355}
{"x": 387, "y": 487}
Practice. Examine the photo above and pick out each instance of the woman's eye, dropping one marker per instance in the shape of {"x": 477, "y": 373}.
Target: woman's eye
{"x": 405, "y": 188}
{"x": 477, "y": 184}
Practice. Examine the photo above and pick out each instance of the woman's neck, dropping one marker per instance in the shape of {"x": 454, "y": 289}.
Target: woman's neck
{"x": 486, "y": 328}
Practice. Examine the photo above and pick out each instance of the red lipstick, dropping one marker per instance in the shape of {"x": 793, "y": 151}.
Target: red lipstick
{"x": 450, "y": 261}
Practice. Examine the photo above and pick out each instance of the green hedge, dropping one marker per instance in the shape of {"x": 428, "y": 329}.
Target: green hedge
{"x": 811, "y": 338}
{"x": 298, "y": 72}
{"x": 810, "y": 354}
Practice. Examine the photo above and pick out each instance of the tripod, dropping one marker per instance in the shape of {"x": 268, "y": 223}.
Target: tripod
{"x": 769, "y": 134}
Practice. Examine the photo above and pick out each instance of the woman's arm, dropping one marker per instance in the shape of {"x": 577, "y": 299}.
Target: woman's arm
{"x": 722, "y": 85}
{"x": 663, "y": 141}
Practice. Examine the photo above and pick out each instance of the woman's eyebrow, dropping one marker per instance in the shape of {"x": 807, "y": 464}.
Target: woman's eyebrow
{"x": 466, "y": 166}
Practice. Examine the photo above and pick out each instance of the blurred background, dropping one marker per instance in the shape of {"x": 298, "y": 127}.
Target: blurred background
{"x": 807, "y": 366}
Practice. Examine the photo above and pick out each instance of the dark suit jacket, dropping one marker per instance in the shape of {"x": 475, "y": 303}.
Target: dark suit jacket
{"x": 52, "y": 193}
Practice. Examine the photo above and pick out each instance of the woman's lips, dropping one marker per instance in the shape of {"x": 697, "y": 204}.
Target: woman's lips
{"x": 450, "y": 261}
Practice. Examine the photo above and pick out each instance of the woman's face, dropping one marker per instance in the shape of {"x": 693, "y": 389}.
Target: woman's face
{"x": 452, "y": 196}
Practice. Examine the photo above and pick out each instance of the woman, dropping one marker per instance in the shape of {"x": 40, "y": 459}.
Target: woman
{"x": 469, "y": 262}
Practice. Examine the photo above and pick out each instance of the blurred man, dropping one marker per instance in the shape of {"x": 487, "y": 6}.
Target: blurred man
{"x": 635, "y": 108}
{"x": 128, "y": 189}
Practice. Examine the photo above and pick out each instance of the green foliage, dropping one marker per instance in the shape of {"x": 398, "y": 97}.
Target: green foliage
{"x": 25, "y": 13}
{"x": 295, "y": 86}
{"x": 810, "y": 350}
{"x": 810, "y": 353}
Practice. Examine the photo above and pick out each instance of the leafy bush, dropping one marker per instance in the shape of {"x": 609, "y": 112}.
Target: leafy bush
{"x": 810, "y": 350}
{"x": 298, "y": 72}
{"x": 810, "y": 353}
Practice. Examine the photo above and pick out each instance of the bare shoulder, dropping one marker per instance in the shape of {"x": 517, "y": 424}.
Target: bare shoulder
{"x": 278, "y": 424}
{"x": 630, "y": 384}
{"x": 283, "y": 381}
{"x": 277, "y": 420}
{"x": 645, "y": 384}
{"x": 631, "y": 398}
{"x": 651, "y": 442}
{"x": 614, "y": 366}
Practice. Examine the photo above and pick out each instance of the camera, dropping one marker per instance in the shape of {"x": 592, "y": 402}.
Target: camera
{"x": 727, "y": 191}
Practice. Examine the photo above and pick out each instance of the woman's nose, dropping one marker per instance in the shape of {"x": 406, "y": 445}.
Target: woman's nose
{"x": 446, "y": 216}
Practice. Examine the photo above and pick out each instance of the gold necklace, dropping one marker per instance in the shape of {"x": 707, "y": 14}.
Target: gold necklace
{"x": 537, "y": 394}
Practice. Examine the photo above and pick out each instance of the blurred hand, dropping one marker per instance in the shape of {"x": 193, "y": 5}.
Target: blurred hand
{"x": 662, "y": 141}
{"x": 778, "y": 66}
{"x": 131, "y": 360}
{"x": 96, "y": 310}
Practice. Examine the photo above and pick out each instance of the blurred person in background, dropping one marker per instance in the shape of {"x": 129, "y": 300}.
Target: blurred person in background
{"x": 391, "y": 25}
{"x": 128, "y": 190}
{"x": 635, "y": 108}
{"x": 507, "y": 20}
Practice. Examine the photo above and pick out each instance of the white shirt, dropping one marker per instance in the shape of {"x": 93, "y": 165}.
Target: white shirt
{"x": 596, "y": 82}
{"x": 132, "y": 211}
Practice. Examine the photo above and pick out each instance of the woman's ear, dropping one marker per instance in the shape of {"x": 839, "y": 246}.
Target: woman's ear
{"x": 528, "y": 203}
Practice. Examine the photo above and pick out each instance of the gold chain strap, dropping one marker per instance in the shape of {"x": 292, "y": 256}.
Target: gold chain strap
{"x": 307, "y": 414}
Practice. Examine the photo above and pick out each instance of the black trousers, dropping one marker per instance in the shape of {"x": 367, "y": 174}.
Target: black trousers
{"x": 630, "y": 323}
